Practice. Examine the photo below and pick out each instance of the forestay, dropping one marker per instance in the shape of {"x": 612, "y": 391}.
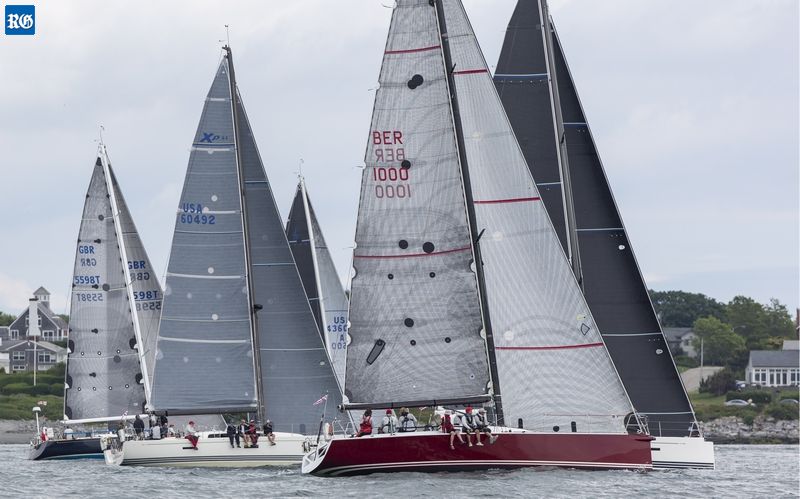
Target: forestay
{"x": 104, "y": 378}
{"x": 204, "y": 359}
{"x": 552, "y": 364}
{"x": 415, "y": 319}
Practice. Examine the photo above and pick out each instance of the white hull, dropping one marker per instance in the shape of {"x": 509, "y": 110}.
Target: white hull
{"x": 682, "y": 452}
{"x": 213, "y": 450}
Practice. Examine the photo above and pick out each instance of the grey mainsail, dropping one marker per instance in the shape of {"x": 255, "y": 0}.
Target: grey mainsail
{"x": 104, "y": 378}
{"x": 320, "y": 279}
{"x": 543, "y": 330}
{"x": 415, "y": 315}
{"x": 295, "y": 367}
{"x": 204, "y": 359}
{"x": 612, "y": 282}
{"x": 233, "y": 288}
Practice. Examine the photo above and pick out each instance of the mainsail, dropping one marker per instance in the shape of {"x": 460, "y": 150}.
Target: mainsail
{"x": 110, "y": 341}
{"x": 415, "y": 315}
{"x": 233, "y": 288}
{"x": 320, "y": 279}
{"x": 612, "y": 282}
{"x": 552, "y": 365}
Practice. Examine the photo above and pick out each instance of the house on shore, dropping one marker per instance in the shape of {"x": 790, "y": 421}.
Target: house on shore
{"x": 681, "y": 341}
{"x": 25, "y": 346}
{"x": 773, "y": 368}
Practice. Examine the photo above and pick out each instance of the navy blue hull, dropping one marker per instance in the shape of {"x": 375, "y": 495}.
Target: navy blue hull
{"x": 66, "y": 449}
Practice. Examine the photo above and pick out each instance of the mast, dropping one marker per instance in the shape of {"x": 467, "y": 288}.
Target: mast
{"x": 449, "y": 68}
{"x": 128, "y": 280}
{"x": 573, "y": 252}
{"x": 253, "y": 308}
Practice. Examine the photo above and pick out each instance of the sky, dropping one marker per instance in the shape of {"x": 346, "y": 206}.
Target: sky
{"x": 693, "y": 105}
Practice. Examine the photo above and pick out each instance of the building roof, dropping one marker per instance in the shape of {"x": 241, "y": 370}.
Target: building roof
{"x": 791, "y": 344}
{"x": 774, "y": 358}
{"x": 41, "y": 291}
{"x": 9, "y": 345}
{"x": 676, "y": 333}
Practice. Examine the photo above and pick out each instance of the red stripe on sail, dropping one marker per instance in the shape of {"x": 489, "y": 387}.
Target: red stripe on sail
{"x": 409, "y": 51}
{"x": 470, "y": 71}
{"x": 511, "y": 200}
{"x": 558, "y": 347}
{"x": 411, "y": 255}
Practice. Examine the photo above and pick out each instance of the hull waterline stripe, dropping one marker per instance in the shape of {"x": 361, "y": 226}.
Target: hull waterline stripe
{"x": 558, "y": 347}
{"x": 411, "y": 51}
{"x": 412, "y": 255}
{"x": 510, "y": 200}
{"x": 470, "y": 71}
{"x": 478, "y": 463}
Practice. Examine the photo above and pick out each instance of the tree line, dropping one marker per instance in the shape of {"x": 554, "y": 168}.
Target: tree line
{"x": 728, "y": 330}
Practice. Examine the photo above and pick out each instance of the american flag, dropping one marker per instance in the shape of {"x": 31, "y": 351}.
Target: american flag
{"x": 321, "y": 400}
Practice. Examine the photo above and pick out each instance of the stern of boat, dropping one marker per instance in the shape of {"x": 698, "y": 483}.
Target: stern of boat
{"x": 682, "y": 452}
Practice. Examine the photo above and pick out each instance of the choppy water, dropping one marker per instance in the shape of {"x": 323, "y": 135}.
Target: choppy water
{"x": 742, "y": 471}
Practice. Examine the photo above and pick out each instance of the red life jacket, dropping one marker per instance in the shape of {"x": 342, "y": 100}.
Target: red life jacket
{"x": 447, "y": 424}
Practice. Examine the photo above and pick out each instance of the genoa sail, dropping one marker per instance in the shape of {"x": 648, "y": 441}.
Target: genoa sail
{"x": 320, "y": 279}
{"x": 295, "y": 367}
{"x": 415, "y": 316}
{"x": 612, "y": 282}
{"x": 553, "y": 367}
{"x": 104, "y": 378}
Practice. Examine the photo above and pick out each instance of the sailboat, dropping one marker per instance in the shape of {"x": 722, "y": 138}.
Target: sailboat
{"x": 446, "y": 186}
{"x": 320, "y": 279}
{"x": 237, "y": 334}
{"x": 540, "y": 98}
{"x": 115, "y": 305}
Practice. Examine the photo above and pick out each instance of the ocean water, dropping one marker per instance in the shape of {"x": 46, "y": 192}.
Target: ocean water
{"x": 742, "y": 471}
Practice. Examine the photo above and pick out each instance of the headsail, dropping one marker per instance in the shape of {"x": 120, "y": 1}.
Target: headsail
{"x": 415, "y": 314}
{"x": 320, "y": 279}
{"x": 104, "y": 377}
{"x": 295, "y": 366}
{"x": 552, "y": 365}
{"x": 613, "y": 285}
{"x": 204, "y": 359}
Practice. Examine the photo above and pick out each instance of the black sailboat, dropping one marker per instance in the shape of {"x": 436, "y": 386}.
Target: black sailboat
{"x": 540, "y": 98}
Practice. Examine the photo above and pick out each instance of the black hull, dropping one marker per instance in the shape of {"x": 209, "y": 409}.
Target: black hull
{"x": 67, "y": 449}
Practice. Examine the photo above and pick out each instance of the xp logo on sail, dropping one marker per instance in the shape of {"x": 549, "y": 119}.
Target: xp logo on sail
{"x": 20, "y": 19}
{"x": 211, "y": 138}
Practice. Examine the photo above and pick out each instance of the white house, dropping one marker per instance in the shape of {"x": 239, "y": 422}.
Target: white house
{"x": 773, "y": 368}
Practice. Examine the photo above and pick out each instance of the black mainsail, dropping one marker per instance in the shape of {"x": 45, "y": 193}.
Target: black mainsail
{"x": 611, "y": 279}
{"x": 237, "y": 333}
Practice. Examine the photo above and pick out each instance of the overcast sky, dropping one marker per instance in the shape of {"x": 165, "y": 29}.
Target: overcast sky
{"x": 694, "y": 107}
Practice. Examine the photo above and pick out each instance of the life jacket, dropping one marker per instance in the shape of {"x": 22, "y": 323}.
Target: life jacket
{"x": 447, "y": 424}
{"x": 366, "y": 424}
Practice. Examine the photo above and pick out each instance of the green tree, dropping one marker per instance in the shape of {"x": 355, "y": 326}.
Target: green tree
{"x": 6, "y": 319}
{"x": 749, "y": 319}
{"x": 718, "y": 383}
{"x": 721, "y": 346}
{"x": 681, "y": 309}
{"x": 778, "y": 320}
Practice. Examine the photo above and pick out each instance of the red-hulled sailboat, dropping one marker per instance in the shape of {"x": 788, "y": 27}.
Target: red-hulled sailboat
{"x": 446, "y": 185}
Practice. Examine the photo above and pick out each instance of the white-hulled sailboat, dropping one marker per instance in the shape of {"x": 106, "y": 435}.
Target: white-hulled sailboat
{"x": 237, "y": 334}
{"x": 540, "y": 98}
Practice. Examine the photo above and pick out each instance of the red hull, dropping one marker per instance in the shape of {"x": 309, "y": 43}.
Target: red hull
{"x": 430, "y": 452}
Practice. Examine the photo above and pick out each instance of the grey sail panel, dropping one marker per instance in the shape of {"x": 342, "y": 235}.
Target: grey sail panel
{"x": 613, "y": 286}
{"x": 334, "y": 301}
{"x": 147, "y": 292}
{"x": 103, "y": 374}
{"x": 299, "y": 236}
{"x": 204, "y": 358}
{"x": 295, "y": 367}
{"x": 415, "y": 321}
{"x": 542, "y": 327}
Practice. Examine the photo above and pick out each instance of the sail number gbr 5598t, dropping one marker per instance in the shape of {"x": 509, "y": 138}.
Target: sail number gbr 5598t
{"x": 390, "y": 181}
